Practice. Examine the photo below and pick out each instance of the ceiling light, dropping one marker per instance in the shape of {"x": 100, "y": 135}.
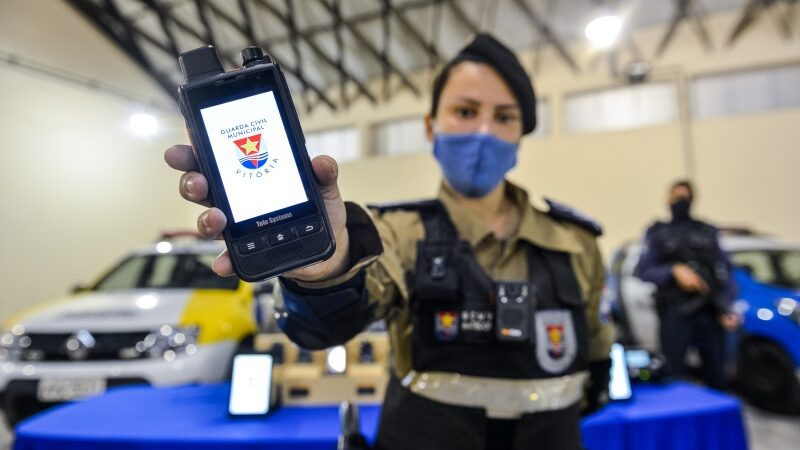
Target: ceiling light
{"x": 603, "y": 31}
{"x": 143, "y": 125}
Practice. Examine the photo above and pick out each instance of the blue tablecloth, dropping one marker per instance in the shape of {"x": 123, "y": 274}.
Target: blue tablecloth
{"x": 672, "y": 417}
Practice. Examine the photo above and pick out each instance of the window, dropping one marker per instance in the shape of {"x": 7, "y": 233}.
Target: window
{"x": 778, "y": 267}
{"x": 125, "y": 276}
{"x": 789, "y": 262}
{"x": 747, "y": 91}
{"x": 542, "y": 118}
{"x": 621, "y": 108}
{"x": 757, "y": 264}
{"x": 179, "y": 271}
{"x": 340, "y": 143}
{"x": 398, "y": 137}
{"x": 162, "y": 270}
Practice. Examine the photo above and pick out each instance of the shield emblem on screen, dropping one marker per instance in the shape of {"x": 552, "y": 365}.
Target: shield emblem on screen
{"x": 252, "y": 151}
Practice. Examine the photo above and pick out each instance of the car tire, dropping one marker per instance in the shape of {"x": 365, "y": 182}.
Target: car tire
{"x": 766, "y": 377}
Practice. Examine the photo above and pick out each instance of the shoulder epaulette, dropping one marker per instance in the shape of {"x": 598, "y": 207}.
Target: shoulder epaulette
{"x": 562, "y": 212}
{"x": 417, "y": 205}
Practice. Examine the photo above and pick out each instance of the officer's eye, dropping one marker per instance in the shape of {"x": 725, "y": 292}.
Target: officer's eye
{"x": 506, "y": 118}
{"x": 464, "y": 112}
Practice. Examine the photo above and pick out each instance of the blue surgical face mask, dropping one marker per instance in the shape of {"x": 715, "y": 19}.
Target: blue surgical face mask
{"x": 474, "y": 163}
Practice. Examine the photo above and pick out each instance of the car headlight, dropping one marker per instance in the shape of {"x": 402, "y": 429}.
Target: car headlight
{"x": 788, "y": 307}
{"x": 13, "y": 343}
{"x": 166, "y": 342}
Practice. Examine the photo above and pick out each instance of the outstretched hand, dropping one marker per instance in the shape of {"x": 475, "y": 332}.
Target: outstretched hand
{"x": 193, "y": 186}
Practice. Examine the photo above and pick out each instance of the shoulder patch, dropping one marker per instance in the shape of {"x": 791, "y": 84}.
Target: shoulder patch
{"x": 562, "y": 212}
{"x": 417, "y": 205}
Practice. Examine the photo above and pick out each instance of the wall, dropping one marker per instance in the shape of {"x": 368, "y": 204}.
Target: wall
{"x": 78, "y": 191}
{"x": 742, "y": 164}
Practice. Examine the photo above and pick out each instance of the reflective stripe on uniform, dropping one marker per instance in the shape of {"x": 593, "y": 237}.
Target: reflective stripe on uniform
{"x": 502, "y": 398}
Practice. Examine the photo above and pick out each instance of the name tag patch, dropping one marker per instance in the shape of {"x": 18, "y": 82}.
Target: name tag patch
{"x": 477, "y": 321}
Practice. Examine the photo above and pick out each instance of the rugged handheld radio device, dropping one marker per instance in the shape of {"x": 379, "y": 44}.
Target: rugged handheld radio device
{"x": 248, "y": 143}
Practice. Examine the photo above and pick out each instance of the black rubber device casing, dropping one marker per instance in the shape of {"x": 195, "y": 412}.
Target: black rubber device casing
{"x": 202, "y": 69}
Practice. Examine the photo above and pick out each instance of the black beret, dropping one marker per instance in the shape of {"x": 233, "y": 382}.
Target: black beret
{"x": 484, "y": 48}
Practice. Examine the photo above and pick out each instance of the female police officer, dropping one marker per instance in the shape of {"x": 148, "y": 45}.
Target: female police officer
{"x": 491, "y": 303}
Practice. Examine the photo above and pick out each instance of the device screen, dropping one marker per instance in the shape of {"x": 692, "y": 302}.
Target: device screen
{"x": 637, "y": 359}
{"x": 255, "y": 160}
{"x": 251, "y": 383}
{"x": 619, "y": 386}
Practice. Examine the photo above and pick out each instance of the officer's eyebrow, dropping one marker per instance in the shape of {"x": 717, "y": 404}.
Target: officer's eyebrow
{"x": 472, "y": 101}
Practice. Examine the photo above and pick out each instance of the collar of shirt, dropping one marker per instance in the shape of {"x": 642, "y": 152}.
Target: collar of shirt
{"x": 535, "y": 226}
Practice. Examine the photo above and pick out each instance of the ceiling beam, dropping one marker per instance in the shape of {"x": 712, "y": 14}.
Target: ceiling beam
{"x": 684, "y": 10}
{"x": 163, "y": 19}
{"x": 294, "y": 43}
{"x": 364, "y": 42}
{"x": 754, "y": 8}
{"x": 202, "y": 13}
{"x": 340, "y": 51}
{"x": 436, "y": 27}
{"x": 249, "y": 34}
{"x": 290, "y": 23}
{"x": 355, "y": 19}
{"x": 462, "y": 17}
{"x": 415, "y": 35}
{"x": 386, "y": 21}
{"x": 108, "y": 20}
{"x": 549, "y": 35}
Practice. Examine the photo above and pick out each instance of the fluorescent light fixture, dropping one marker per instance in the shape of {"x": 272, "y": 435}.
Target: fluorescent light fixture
{"x": 603, "y": 31}
{"x": 143, "y": 125}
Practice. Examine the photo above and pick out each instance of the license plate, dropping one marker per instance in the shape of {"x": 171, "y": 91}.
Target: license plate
{"x": 59, "y": 390}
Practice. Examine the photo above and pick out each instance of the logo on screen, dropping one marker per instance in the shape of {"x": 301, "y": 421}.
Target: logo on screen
{"x": 252, "y": 151}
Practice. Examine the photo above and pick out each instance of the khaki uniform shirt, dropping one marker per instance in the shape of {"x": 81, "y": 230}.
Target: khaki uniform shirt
{"x": 399, "y": 232}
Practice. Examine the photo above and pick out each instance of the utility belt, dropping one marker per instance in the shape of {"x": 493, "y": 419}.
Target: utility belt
{"x": 501, "y": 398}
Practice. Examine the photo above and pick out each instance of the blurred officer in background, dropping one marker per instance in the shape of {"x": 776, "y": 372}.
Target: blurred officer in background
{"x": 491, "y": 303}
{"x": 695, "y": 289}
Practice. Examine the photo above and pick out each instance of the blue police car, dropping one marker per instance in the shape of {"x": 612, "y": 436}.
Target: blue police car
{"x": 765, "y": 353}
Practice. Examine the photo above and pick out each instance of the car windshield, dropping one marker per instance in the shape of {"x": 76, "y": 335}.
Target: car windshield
{"x": 166, "y": 271}
{"x": 778, "y": 267}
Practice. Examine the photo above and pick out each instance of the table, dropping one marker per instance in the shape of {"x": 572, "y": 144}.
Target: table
{"x": 677, "y": 416}
{"x": 670, "y": 417}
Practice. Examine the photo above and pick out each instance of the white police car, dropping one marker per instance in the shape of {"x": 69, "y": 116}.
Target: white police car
{"x": 767, "y": 348}
{"x": 160, "y": 317}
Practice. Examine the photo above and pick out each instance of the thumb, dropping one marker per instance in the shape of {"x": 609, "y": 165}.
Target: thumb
{"x": 327, "y": 172}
